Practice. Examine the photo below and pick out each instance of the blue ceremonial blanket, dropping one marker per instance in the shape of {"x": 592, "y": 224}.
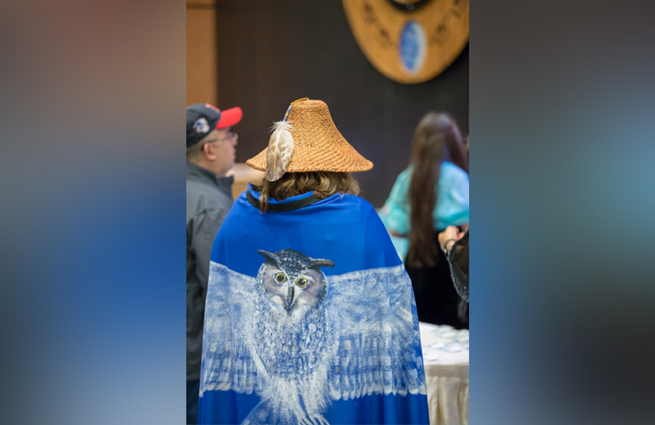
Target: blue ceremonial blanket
{"x": 310, "y": 319}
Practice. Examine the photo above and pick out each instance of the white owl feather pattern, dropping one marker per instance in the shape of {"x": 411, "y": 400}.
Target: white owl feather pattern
{"x": 375, "y": 345}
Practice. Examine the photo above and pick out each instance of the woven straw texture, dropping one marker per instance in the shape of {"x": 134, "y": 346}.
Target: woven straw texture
{"x": 318, "y": 145}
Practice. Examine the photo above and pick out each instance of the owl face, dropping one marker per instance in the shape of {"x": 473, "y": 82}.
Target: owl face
{"x": 292, "y": 281}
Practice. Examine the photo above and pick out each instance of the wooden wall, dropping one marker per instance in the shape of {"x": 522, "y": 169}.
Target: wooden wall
{"x": 201, "y": 51}
{"x": 272, "y": 52}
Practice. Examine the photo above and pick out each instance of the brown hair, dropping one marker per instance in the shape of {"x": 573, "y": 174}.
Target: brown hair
{"x": 323, "y": 184}
{"x": 436, "y": 139}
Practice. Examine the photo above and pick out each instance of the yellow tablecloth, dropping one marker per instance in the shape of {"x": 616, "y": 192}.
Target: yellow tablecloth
{"x": 446, "y": 359}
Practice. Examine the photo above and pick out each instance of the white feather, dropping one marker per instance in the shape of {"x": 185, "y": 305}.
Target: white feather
{"x": 280, "y": 149}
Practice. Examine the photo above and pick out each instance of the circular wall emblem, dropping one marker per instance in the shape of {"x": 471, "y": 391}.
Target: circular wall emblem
{"x": 409, "y": 41}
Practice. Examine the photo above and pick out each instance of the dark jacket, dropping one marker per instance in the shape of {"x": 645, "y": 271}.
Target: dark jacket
{"x": 208, "y": 199}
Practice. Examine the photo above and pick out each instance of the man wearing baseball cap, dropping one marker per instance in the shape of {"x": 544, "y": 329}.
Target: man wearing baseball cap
{"x": 210, "y": 154}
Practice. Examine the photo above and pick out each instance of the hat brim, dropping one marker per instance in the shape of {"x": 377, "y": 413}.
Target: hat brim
{"x": 344, "y": 160}
{"x": 229, "y": 117}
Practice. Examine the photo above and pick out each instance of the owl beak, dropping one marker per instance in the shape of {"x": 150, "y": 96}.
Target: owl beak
{"x": 289, "y": 300}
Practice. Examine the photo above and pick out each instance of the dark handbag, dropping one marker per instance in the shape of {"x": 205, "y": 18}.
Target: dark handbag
{"x": 458, "y": 259}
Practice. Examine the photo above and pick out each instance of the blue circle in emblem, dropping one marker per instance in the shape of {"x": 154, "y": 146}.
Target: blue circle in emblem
{"x": 412, "y": 47}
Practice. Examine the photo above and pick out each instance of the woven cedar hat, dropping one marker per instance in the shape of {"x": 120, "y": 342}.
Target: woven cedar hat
{"x": 307, "y": 140}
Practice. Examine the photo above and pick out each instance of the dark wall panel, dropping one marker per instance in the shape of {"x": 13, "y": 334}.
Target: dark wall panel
{"x": 273, "y": 52}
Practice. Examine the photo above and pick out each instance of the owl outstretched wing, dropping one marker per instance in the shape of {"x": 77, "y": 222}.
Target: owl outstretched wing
{"x": 228, "y": 363}
{"x": 373, "y": 317}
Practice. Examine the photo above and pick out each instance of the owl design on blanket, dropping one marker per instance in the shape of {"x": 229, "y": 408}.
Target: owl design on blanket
{"x": 300, "y": 339}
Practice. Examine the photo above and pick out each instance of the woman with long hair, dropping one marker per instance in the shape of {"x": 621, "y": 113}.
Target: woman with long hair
{"x": 310, "y": 315}
{"x": 428, "y": 196}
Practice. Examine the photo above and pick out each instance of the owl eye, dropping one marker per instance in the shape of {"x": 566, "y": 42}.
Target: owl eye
{"x": 280, "y": 277}
{"x": 301, "y": 282}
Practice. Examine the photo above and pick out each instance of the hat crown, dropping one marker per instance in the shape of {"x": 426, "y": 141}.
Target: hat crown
{"x": 309, "y": 105}
{"x": 201, "y": 119}
{"x": 319, "y": 146}
{"x": 313, "y": 124}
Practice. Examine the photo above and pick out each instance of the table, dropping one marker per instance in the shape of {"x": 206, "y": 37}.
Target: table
{"x": 446, "y": 360}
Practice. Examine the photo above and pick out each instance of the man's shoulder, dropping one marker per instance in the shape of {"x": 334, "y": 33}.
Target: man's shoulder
{"x": 199, "y": 187}
{"x": 202, "y": 196}
{"x": 196, "y": 190}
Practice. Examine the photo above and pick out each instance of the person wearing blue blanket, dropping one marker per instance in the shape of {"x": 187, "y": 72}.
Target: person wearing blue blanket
{"x": 310, "y": 315}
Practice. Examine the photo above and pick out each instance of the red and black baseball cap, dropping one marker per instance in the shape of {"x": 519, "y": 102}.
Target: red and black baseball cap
{"x": 202, "y": 118}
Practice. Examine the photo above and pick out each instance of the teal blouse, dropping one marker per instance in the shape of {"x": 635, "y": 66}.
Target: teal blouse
{"x": 452, "y": 205}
